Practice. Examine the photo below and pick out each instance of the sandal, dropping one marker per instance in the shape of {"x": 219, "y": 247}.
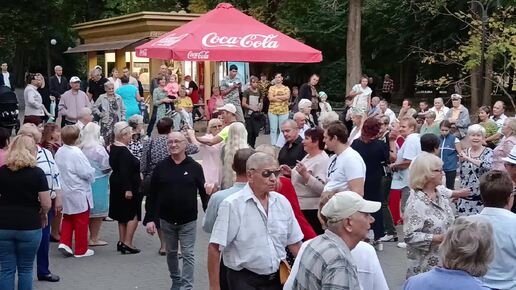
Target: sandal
{"x": 97, "y": 243}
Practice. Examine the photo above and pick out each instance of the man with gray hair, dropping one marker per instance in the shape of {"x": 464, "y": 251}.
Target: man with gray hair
{"x": 440, "y": 110}
{"x": 72, "y": 101}
{"x": 85, "y": 117}
{"x": 293, "y": 150}
{"x": 58, "y": 84}
{"x": 96, "y": 84}
{"x": 326, "y": 262}
{"x": 253, "y": 228}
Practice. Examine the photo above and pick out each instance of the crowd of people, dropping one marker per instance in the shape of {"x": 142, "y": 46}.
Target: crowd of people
{"x": 306, "y": 210}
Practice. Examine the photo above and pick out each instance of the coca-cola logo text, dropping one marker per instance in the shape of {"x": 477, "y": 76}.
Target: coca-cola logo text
{"x": 170, "y": 40}
{"x": 247, "y": 41}
{"x": 198, "y": 55}
{"x": 142, "y": 52}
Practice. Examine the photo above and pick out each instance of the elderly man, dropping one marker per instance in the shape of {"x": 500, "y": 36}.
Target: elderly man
{"x": 253, "y": 228}
{"x": 347, "y": 168}
{"x": 230, "y": 88}
{"x": 375, "y": 107}
{"x": 387, "y": 88}
{"x": 229, "y": 114}
{"x": 386, "y": 111}
{"x": 293, "y": 150}
{"x": 175, "y": 183}
{"x": 96, "y": 84}
{"x": 496, "y": 190}
{"x": 440, "y": 110}
{"x": 58, "y": 84}
{"x": 499, "y": 118}
{"x": 302, "y": 125}
{"x": 326, "y": 262}
{"x": 458, "y": 116}
{"x": 72, "y": 101}
{"x": 85, "y": 117}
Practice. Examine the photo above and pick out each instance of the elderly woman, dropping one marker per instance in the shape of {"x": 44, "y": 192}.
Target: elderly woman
{"x": 375, "y": 154}
{"x": 24, "y": 204}
{"x": 484, "y": 120}
{"x": 92, "y": 147}
{"x": 45, "y": 161}
{"x": 125, "y": 201}
{"x": 136, "y": 145}
{"x": 464, "y": 258}
{"x": 111, "y": 109}
{"x": 458, "y": 116}
{"x": 35, "y": 111}
{"x": 210, "y": 156}
{"x": 430, "y": 125}
{"x": 278, "y": 96}
{"x": 358, "y": 117}
{"x": 328, "y": 118}
{"x": 154, "y": 151}
{"x": 427, "y": 215}
{"x": 475, "y": 161}
{"x": 76, "y": 176}
{"x": 504, "y": 147}
{"x": 309, "y": 176}
{"x": 305, "y": 107}
{"x": 237, "y": 139}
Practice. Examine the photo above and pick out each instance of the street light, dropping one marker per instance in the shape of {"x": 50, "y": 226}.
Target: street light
{"x": 53, "y": 42}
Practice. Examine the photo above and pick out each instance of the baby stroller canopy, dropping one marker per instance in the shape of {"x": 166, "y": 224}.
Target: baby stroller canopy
{"x": 8, "y": 108}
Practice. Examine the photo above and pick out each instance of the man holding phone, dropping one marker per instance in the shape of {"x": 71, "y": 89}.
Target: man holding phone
{"x": 230, "y": 88}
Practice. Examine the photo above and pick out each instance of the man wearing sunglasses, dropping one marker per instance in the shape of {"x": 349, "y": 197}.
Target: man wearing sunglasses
{"x": 254, "y": 226}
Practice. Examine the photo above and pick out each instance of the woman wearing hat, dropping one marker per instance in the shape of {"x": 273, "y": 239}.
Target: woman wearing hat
{"x": 458, "y": 116}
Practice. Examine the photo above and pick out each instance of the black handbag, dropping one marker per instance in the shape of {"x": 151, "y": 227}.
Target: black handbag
{"x": 146, "y": 182}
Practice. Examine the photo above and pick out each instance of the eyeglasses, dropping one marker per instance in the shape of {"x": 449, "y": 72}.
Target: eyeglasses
{"x": 267, "y": 172}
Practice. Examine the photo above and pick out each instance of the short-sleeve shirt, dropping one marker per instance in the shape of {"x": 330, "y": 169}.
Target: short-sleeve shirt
{"x": 344, "y": 167}
{"x": 279, "y": 107}
{"x": 128, "y": 94}
{"x": 96, "y": 88}
{"x": 410, "y": 149}
{"x": 224, "y": 133}
{"x": 232, "y": 97}
{"x": 185, "y": 102}
{"x": 19, "y": 203}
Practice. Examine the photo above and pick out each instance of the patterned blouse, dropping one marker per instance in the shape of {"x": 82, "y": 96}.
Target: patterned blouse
{"x": 470, "y": 178}
{"x": 136, "y": 146}
{"x": 279, "y": 107}
{"x": 423, "y": 219}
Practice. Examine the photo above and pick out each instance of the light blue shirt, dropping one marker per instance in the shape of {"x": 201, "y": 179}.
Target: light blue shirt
{"x": 443, "y": 279}
{"x": 214, "y": 203}
{"x": 502, "y": 271}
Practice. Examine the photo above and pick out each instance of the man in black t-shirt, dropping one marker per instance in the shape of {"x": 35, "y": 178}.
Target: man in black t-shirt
{"x": 96, "y": 85}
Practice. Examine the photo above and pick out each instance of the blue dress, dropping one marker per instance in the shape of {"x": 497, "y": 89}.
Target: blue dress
{"x": 128, "y": 93}
{"x": 99, "y": 159}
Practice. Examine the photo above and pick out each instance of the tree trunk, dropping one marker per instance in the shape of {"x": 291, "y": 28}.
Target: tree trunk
{"x": 488, "y": 85}
{"x": 353, "y": 55}
{"x": 475, "y": 87}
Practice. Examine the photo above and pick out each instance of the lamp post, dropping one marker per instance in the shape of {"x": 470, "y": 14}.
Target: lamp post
{"x": 52, "y": 42}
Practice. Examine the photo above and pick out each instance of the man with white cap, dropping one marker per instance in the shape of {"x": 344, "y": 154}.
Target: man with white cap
{"x": 72, "y": 101}
{"x": 326, "y": 262}
{"x": 228, "y": 112}
{"x": 510, "y": 166}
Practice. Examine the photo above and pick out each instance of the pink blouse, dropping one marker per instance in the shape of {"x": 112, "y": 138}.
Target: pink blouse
{"x": 501, "y": 151}
{"x": 212, "y": 104}
{"x": 211, "y": 164}
{"x": 172, "y": 89}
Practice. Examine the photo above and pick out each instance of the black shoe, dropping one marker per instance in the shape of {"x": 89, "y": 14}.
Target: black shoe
{"x": 119, "y": 246}
{"x": 128, "y": 250}
{"x": 49, "y": 278}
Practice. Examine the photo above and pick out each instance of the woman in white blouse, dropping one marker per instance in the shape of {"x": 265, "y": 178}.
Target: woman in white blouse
{"x": 115, "y": 79}
{"x": 35, "y": 111}
{"x": 361, "y": 94}
{"x": 309, "y": 176}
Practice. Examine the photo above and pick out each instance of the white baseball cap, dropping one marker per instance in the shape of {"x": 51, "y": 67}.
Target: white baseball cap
{"x": 512, "y": 156}
{"x": 344, "y": 204}
{"x": 228, "y": 108}
{"x": 75, "y": 80}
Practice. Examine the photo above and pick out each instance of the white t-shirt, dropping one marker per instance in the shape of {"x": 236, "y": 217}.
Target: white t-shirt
{"x": 7, "y": 82}
{"x": 360, "y": 101}
{"x": 441, "y": 114}
{"x": 348, "y": 165}
{"x": 392, "y": 116}
{"x": 370, "y": 273}
{"x": 410, "y": 149}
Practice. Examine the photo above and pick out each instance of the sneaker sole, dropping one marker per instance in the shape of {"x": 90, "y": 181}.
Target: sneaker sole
{"x": 65, "y": 252}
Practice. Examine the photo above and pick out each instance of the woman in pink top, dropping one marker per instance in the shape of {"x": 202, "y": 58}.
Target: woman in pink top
{"x": 210, "y": 156}
{"x": 4, "y": 143}
{"x": 215, "y": 101}
{"x": 504, "y": 147}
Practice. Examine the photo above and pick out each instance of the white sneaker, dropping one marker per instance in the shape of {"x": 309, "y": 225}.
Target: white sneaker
{"x": 65, "y": 250}
{"x": 389, "y": 238}
{"x": 402, "y": 245}
{"x": 87, "y": 254}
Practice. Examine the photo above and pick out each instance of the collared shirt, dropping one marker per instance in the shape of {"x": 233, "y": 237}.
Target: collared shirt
{"x": 6, "y": 76}
{"x": 388, "y": 86}
{"x": 499, "y": 121}
{"x": 253, "y": 239}
{"x": 501, "y": 273}
{"x": 440, "y": 114}
{"x": 281, "y": 139}
{"x": 232, "y": 97}
{"x": 408, "y": 151}
{"x": 292, "y": 152}
{"x": 214, "y": 204}
{"x": 76, "y": 176}
{"x": 46, "y": 162}
{"x": 327, "y": 263}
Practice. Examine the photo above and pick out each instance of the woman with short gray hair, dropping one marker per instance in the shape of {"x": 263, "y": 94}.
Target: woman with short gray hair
{"x": 463, "y": 255}
{"x": 110, "y": 108}
{"x": 430, "y": 125}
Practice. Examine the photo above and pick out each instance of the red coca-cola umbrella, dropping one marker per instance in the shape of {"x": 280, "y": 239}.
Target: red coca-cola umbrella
{"x": 226, "y": 34}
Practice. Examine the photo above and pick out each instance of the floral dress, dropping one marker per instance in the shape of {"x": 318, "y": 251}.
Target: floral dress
{"x": 425, "y": 218}
{"x": 470, "y": 178}
{"x": 136, "y": 146}
{"x": 106, "y": 129}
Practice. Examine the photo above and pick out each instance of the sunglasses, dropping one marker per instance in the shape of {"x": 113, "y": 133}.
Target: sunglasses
{"x": 267, "y": 172}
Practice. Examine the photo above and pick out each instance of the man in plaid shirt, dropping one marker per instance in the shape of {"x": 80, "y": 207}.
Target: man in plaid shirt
{"x": 326, "y": 263}
{"x": 388, "y": 88}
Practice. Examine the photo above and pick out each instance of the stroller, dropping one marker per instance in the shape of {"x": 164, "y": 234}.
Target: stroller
{"x": 8, "y": 109}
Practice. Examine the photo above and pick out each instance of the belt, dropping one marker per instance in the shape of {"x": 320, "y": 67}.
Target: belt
{"x": 268, "y": 277}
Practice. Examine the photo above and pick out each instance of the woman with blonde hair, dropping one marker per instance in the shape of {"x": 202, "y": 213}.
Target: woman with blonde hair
{"x": 92, "y": 147}
{"x": 504, "y": 147}
{"x": 464, "y": 257}
{"x": 24, "y": 204}
{"x": 237, "y": 139}
{"x": 358, "y": 117}
{"x": 427, "y": 214}
{"x": 125, "y": 202}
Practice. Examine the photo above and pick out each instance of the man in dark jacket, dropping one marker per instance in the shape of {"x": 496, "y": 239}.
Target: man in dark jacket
{"x": 58, "y": 84}
{"x": 309, "y": 92}
{"x": 7, "y": 78}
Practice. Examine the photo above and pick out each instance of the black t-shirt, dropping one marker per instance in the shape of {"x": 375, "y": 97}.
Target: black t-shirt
{"x": 96, "y": 88}
{"x": 288, "y": 155}
{"x": 19, "y": 203}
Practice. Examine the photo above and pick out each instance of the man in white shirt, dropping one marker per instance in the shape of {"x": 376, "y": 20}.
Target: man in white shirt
{"x": 6, "y": 79}
{"x": 132, "y": 80}
{"x": 385, "y": 111}
{"x": 347, "y": 168}
{"x": 253, "y": 228}
{"x": 499, "y": 118}
{"x": 496, "y": 190}
{"x": 302, "y": 125}
{"x": 440, "y": 109}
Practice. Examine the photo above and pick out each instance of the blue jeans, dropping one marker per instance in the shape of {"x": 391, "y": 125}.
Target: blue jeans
{"x": 185, "y": 235}
{"x": 17, "y": 252}
{"x": 42, "y": 257}
{"x": 275, "y": 125}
